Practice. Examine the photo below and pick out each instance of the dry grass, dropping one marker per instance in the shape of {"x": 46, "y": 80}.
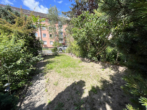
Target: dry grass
{"x": 76, "y": 85}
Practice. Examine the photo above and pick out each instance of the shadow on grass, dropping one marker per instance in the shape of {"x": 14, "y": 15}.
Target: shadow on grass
{"x": 40, "y": 65}
{"x": 107, "y": 97}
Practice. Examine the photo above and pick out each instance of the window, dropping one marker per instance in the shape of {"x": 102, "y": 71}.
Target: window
{"x": 45, "y": 42}
{"x": 60, "y": 40}
{"x": 44, "y": 35}
{"x": 51, "y": 36}
{"x": 61, "y": 34}
{"x": 36, "y": 34}
{"x": 51, "y": 42}
{"x": 43, "y": 28}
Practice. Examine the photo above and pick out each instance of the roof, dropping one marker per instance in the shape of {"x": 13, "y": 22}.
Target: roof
{"x": 28, "y": 12}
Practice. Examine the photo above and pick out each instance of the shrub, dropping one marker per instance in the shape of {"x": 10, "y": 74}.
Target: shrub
{"x": 8, "y": 102}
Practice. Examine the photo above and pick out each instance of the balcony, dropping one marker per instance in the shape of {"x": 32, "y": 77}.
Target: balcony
{"x": 60, "y": 41}
{"x": 61, "y": 36}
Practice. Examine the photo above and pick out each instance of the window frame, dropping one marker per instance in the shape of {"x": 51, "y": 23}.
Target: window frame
{"x": 52, "y": 42}
{"x": 44, "y": 34}
{"x": 44, "y": 43}
{"x": 43, "y": 27}
{"x": 36, "y": 34}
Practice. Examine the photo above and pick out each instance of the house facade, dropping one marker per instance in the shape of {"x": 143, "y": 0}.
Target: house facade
{"x": 45, "y": 32}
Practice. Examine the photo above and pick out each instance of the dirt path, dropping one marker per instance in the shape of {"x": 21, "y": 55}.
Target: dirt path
{"x": 35, "y": 98}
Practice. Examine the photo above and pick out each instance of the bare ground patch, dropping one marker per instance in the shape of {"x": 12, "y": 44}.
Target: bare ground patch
{"x": 76, "y": 85}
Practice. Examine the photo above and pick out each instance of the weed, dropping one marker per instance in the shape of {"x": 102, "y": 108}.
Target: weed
{"x": 49, "y": 101}
{"x": 58, "y": 71}
{"x": 79, "y": 61}
{"x": 98, "y": 78}
{"x": 79, "y": 105}
{"x": 103, "y": 69}
{"x": 23, "y": 96}
{"x": 31, "y": 84}
{"x": 94, "y": 90}
{"x": 46, "y": 90}
{"x": 59, "y": 106}
{"x": 56, "y": 83}
{"x": 47, "y": 80}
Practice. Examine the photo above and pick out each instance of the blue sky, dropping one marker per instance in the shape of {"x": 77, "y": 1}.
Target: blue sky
{"x": 39, "y": 5}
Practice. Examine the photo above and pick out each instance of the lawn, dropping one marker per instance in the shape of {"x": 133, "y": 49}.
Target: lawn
{"x": 72, "y": 84}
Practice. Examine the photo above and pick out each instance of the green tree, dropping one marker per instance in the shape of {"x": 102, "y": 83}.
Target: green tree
{"x": 19, "y": 51}
{"x": 91, "y": 34}
{"x": 128, "y": 20}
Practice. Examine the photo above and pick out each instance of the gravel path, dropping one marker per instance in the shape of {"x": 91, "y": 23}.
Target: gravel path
{"x": 35, "y": 98}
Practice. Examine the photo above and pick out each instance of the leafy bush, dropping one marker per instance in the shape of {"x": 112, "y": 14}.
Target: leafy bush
{"x": 8, "y": 102}
{"x": 135, "y": 86}
{"x": 90, "y": 33}
{"x": 19, "y": 51}
{"x": 74, "y": 48}
{"x": 128, "y": 25}
{"x": 55, "y": 51}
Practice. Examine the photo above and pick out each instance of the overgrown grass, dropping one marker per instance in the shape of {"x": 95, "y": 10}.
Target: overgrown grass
{"x": 63, "y": 65}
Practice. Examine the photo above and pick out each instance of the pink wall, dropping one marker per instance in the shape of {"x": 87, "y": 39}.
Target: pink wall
{"x": 47, "y": 38}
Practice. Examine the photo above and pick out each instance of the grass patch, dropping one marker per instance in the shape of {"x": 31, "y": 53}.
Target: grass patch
{"x": 46, "y": 90}
{"x": 56, "y": 83}
{"x": 47, "y": 80}
{"x": 49, "y": 101}
{"x": 63, "y": 64}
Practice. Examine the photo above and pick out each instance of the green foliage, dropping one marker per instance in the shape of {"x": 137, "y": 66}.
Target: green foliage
{"x": 62, "y": 64}
{"x": 8, "y": 102}
{"x": 56, "y": 83}
{"x": 128, "y": 23}
{"x": 136, "y": 85}
{"x": 90, "y": 34}
{"x": 125, "y": 21}
{"x": 94, "y": 89}
{"x": 74, "y": 48}
{"x": 55, "y": 49}
{"x": 59, "y": 106}
{"x": 143, "y": 101}
{"x": 19, "y": 52}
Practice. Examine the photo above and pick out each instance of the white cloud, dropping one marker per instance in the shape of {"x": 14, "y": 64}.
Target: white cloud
{"x": 60, "y": 1}
{"x": 6, "y": 2}
{"x": 35, "y": 6}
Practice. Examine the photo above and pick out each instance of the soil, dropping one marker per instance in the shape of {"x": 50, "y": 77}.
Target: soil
{"x": 35, "y": 98}
{"x": 99, "y": 88}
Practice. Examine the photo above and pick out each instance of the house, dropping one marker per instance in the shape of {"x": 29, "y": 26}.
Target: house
{"x": 44, "y": 33}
